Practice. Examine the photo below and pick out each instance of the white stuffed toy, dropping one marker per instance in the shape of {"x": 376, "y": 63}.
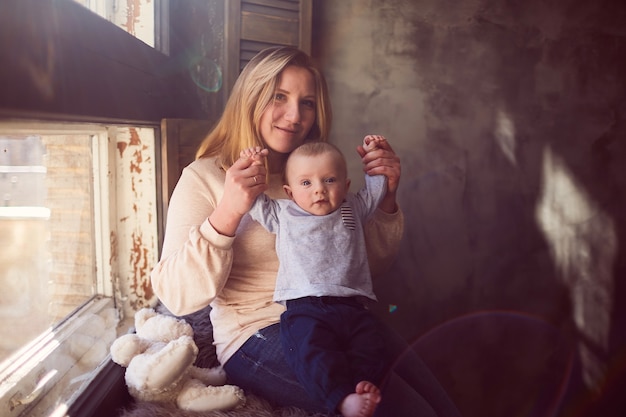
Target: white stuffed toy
{"x": 159, "y": 366}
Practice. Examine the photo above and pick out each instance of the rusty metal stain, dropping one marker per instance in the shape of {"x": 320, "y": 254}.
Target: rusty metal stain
{"x": 135, "y": 140}
{"x": 135, "y": 164}
{"x": 133, "y": 13}
{"x": 139, "y": 250}
{"x": 140, "y": 265}
{"x": 121, "y": 146}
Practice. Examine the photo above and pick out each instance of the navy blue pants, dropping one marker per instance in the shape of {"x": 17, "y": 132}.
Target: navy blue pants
{"x": 410, "y": 389}
{"x": 332, "y": 343}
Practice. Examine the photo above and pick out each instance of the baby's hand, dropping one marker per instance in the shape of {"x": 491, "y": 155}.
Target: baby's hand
{"x": 371, "y": 142}
{"x": 255, "y": 154}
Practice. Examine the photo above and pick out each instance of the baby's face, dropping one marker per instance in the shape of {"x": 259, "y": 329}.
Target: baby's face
{"x": 318, "y": 184}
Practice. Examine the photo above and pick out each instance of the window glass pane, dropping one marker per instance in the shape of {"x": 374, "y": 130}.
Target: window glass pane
{"x": 46, "y": 233}
{"x": 78, "y": 236}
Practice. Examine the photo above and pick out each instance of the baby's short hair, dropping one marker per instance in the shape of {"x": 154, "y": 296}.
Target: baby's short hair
{"x": 315, "y": 148}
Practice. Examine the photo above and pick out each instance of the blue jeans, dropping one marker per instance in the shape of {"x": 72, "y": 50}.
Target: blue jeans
{"x": 409, "y": 389}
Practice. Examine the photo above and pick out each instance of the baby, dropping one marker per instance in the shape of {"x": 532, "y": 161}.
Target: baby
{"x": 329, "y": 337}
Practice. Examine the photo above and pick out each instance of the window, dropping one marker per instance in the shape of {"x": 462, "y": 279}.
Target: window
{"x": 136, "y": 17}
{"x": 78, "y": 237}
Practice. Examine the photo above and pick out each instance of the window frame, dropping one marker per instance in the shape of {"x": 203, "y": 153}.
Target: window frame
{"x": 52, "y": 82}
{"x": 23, "y": 375}
{"x": 161, "y": 18}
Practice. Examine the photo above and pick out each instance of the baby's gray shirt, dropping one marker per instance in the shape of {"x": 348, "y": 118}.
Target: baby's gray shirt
{"x": 322, "y": 255}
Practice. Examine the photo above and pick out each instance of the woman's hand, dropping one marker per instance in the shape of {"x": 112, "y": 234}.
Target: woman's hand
{"x": 245, "y": 181}
{"x": 383, "y": 161}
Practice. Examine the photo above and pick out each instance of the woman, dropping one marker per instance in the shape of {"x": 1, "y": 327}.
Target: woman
{"x": 213, "y": 253}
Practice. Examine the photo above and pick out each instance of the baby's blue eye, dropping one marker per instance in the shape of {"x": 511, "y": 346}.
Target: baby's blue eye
{"x": 330, "y": 180}
{"x": 306, "y": 182}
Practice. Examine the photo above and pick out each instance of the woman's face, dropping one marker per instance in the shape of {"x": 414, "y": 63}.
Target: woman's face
{"x": 289, "y": 117}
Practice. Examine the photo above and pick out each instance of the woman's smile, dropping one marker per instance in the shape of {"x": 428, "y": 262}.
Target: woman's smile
{"x": 291, "y": 114}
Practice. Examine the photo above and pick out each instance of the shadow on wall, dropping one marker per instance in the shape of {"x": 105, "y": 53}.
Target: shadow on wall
{"x": 500, "y": 363}
{"x": 511, "y": 275}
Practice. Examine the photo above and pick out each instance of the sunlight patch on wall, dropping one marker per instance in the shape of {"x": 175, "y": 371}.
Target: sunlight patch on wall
{"x": 505, "y": 136}
{"x": 583, "y": 245}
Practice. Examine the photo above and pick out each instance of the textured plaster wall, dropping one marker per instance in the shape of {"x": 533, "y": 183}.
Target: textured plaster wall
{"x": 508, "y": 117}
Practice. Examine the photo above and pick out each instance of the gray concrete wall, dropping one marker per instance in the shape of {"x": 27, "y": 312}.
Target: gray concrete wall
{"x": 509, "y": 121}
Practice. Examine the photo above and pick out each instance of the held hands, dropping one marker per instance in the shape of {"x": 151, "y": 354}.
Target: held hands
{"x": 245, "y": 181}
{"x": 255, "y": 155}
{"x": 379, "y": 159}
{"x": 372, "y": 142}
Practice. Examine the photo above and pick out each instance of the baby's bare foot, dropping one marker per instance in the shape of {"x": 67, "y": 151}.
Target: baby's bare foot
{"x": 249, "y": 152}
{"x": 363, "y": 402}
{"x": 255, "y": 153}
{"x": 372, "y": 142}
{"x": 367, "y": 387}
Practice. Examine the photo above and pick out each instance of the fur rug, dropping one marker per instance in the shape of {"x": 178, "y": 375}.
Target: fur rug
{"x": 203, "y": 336}
{"x": 255, "y": 407}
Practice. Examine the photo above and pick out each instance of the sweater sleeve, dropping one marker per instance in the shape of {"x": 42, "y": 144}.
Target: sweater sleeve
{"x": 383, "y": 233}
{"x": 196, "y": 260}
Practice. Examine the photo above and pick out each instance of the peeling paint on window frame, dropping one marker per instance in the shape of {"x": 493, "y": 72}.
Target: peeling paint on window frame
{"x": 126, "y": 233}
{"x": 136, "y": 17}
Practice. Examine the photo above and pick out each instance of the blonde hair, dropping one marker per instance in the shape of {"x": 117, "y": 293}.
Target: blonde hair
{"x": 238, "y": 128}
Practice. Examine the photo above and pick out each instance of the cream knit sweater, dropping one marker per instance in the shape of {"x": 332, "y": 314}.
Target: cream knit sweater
{"x": 235, "y": 275}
